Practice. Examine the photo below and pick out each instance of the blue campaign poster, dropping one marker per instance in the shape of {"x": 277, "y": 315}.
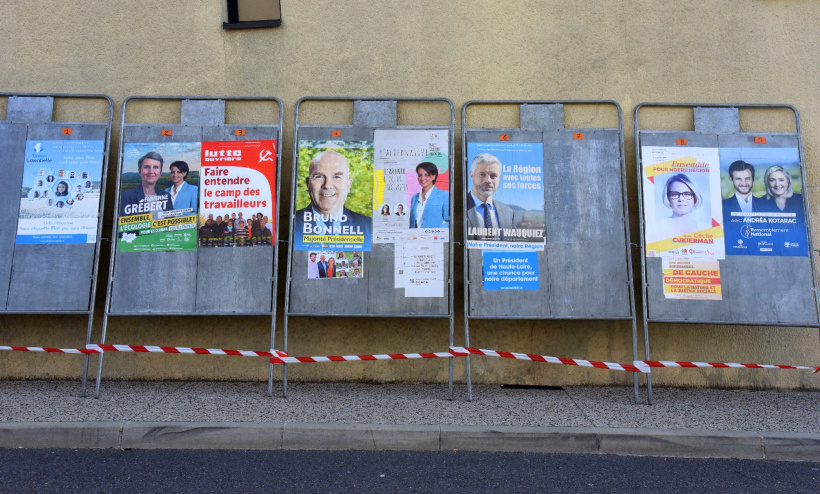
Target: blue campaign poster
{"x": 762, "y": 191}
{"x": 509, "y": 178}
{"x": 510, "y": 270}
{"x": 60, "y": 195}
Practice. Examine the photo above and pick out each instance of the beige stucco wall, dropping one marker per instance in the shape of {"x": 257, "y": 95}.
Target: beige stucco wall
{"x": 631, "y": 51}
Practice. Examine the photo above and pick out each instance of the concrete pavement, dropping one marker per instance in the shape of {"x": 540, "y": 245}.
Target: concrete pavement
{"x": 781, "y": 425}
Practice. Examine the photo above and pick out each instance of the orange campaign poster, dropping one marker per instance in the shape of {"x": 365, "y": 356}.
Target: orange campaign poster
{"x": 692, "y": 280}
{"x": 238, "y": 199}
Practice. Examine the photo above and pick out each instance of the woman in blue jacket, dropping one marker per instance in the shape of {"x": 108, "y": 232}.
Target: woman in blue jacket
{"x": 429, "y": 208}
{"x": 183, "y": 194}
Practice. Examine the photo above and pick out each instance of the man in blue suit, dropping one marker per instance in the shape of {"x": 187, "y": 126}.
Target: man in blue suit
{"x": 742, "y": 175}
{"x": 429, "y": 208}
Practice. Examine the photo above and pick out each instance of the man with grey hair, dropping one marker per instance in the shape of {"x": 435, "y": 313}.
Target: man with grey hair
{"x": 486, "y": 217}
{"x": 328, "y": 184}
{"x": 145, "y": 197}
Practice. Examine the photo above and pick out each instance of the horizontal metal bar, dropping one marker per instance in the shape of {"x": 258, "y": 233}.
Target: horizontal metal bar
{"x": 117, "y": 314}
{"x": 732, "y": 323}
{"x": 426, "y": 316}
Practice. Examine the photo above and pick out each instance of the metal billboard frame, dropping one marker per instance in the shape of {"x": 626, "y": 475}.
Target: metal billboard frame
{"x": 94, "y": 275}
{"x": 798, "y": 134}
{"x": 274, "y": 246}
{"x": 294, "y": 166}
{"x": 627, "y": 241}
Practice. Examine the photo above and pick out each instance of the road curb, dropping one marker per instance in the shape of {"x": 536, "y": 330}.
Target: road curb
{"x": 783, "y": 446}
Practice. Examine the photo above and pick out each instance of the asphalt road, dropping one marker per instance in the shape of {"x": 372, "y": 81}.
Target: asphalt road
{"x": 86, "y": 470}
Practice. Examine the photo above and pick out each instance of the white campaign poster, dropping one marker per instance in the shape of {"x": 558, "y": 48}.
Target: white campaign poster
{"x": 411, "y": 187}
{"x": 682, "y": 202}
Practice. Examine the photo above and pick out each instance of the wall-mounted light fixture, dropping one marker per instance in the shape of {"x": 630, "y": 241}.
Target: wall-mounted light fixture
{"x": 253, "y": 13}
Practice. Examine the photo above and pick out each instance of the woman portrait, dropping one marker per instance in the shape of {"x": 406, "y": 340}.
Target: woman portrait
{"x": 385, "y": 210}
{"x": 79, "y": 197}
{"x": 62, "y": 189}
{"x": 340, "y": 255}
{"x": 183, "y": 194}
{"x": 331, "y": 267}
{"x": 780, "y": 194}
{"x": 682, "y": 196}
{"x": 429, "y": 208}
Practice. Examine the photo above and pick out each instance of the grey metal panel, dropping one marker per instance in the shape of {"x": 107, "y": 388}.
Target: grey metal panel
{"x": 203, "y": 112}
{"x": 56, "y": 276}
{"x": 541, "y": 117}
{"x": 754, "y": 287}
{"x": 717, "y": 120}
{"x": 526, "y": 303}
{"x": 340, "y": 296}
{"x": 155, "y": 282}
{"x": 381, "y": 114}
{"x": 51, "y": 277}
{"x": 243, "y": 273}
{"x": 30, "y": 109}
{"x": 386, "y": 299}
{"x": 235, "y": 279}
{"x": 12, "y": 156}
{"x": 586, "y": 240}
{"x": 658, "y": 306}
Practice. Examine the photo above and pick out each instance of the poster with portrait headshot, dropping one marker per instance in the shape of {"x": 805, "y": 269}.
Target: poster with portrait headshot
{"x": 505, "y": 201}
{"x": 334, "y": 195}
{"x": 238, "y": 196}
{"x": 763, "y": 210}
{"x": 159, "y": 197}
{"x": 411, "y": 189}
{"x": 682, "y": 203}
{"x": 60, "y": 194}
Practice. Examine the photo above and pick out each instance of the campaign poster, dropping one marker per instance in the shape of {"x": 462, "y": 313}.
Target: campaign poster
{"x": 687, "y": 279}
{"x": 330, "y": 264}
{"x": 682, "y": 204}
{"x": 505, "y": 203}
{"x": 238, "y": 199}
{"x": 60, "y": 197}
{"x": 411, "y": 189}
{"x": 159, "y": 197}
{"x": 763, "y": 212}
{"x": 510, "y": 270}
{"x": 334, "y": 196}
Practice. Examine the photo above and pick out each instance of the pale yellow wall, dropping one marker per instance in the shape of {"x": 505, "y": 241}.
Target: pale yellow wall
{"x": 631, "y": 51}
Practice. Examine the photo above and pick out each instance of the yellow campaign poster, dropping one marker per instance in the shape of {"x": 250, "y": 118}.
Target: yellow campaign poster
{"x": 692, "y": 280}
{"x": 682, "y": 203}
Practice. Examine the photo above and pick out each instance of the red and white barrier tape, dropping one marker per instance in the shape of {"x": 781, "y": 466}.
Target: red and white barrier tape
{"x": 48, "y": 350}
{"x": 634, "y": 367}
{"x": 183, "y": 350}
{"x": 358, "y": 358}
{"x": 731, "y": 365}
{"x": 280, "y": 357}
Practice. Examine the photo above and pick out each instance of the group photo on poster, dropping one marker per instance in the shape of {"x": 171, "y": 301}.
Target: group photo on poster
{"x": 411, "y": 190}
{"x": 60, "y": 195}
{"x": 237, "y": 203}
{"x": 334, "y": 195}
{"x": 327, "y": 264}
{"x": 505, "y": 202}
{"x": 159, "y": 197}
{"x": 682, "y": 203}
{"x": 763, "y": 210}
